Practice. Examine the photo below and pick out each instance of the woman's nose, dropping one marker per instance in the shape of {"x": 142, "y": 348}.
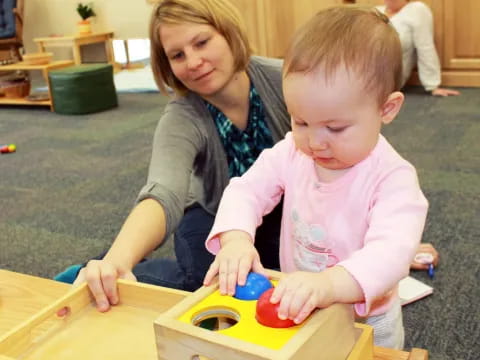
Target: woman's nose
{"x": 193, "y": 61}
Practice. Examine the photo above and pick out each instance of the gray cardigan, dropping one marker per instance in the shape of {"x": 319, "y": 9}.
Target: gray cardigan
{"x": 188, "y": 164}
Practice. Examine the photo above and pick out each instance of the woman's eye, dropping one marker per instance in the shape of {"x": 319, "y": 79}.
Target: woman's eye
{"x": 202, "y": 43}
{"x": 176, "y": 56}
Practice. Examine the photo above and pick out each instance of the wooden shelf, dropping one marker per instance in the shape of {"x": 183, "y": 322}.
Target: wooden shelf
{"x": 22, "y": 101}
{"x": 45, "y": 68}
{"x": 50, "y": 66}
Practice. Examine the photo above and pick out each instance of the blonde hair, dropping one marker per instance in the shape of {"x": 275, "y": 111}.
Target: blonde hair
{"x": 220, "y": 14}
{"x": 360, "y": 39}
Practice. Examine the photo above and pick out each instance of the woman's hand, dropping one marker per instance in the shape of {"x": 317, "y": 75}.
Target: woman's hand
{"x": 234, "y": 261}
{"x": 101, "y": 276}
{"x": 429, "y": 250}
{"x": 445, "y": 92}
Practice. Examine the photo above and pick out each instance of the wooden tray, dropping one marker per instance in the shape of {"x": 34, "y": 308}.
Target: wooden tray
{"x": 124, "y": 332}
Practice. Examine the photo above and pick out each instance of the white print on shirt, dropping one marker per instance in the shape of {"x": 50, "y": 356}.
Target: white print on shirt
{"x": 312, "y": 249}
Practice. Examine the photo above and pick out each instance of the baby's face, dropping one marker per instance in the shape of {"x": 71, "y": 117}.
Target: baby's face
{"x": 336, "y": 122}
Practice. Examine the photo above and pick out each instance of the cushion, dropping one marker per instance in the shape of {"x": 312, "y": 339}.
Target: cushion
{"x": 83, "y": 89}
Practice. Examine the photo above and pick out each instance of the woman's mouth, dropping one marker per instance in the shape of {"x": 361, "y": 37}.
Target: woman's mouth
{"x": 203, "y": 76}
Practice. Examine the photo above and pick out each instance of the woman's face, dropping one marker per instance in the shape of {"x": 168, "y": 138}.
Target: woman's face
{"x": 199, "y": 56}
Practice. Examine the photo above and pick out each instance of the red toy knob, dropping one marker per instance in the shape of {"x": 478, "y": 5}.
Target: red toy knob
{"x": 267, "y": 313}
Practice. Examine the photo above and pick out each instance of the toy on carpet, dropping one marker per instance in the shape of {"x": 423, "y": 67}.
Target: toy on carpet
{"x": 8, "y": 149}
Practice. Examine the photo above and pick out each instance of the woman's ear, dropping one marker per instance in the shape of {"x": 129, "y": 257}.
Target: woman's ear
{"x": 391, "y": 107}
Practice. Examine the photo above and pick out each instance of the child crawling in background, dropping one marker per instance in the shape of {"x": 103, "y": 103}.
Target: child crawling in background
{"x": 353, "y": 211}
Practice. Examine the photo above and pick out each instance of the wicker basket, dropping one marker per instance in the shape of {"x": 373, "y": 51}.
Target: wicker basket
{"x": 15, "y": 88}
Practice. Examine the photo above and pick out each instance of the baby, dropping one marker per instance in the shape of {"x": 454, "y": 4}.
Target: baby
{"x": 353, "y": 212}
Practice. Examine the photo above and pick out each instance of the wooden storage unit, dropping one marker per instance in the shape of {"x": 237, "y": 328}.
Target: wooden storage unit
{"x": 44, "y": 68}
{"x": 461, "y": 42}
{"x": 271, "y": 24}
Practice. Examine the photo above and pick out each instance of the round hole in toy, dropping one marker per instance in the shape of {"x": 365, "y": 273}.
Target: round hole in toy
{"x": 215, "y": 319}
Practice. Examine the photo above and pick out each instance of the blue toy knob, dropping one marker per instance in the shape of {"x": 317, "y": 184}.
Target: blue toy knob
{"x": 255, "y": 286}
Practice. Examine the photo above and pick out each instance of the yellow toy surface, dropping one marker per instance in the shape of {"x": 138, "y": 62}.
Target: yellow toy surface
{"x": 247, "y": 328}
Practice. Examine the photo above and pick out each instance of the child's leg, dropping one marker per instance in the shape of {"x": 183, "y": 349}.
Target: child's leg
{"x": 388, "y": 328}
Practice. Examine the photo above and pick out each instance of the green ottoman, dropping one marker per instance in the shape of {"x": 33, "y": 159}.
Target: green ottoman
{"x": 83, "y": 89}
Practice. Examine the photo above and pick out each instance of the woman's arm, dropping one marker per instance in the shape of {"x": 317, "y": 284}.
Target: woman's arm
{"x": 428, "y": 63}
{"x": 141, "y": 233}
{"x": 160, "y": 207}
{"x": 427, "y": 58}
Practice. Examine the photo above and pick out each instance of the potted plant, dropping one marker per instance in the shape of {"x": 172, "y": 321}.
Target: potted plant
{"x": 86, "y": 12}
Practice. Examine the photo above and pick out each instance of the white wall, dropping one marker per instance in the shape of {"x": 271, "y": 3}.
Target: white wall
{"x": 126, "y": 18}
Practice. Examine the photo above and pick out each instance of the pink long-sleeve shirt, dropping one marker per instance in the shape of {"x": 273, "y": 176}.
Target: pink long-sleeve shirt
{"x": 370, "y": 220}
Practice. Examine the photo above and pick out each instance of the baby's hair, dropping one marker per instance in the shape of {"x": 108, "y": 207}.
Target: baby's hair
{"x": 360, "y": 39}
{"x": 220, "y": 14}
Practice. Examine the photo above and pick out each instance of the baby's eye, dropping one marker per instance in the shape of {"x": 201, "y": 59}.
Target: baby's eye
{"x": 300, "y": 123}
{"x": 336, "y": 129}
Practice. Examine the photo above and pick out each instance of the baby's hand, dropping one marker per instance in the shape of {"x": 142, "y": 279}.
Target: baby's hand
{"x": 299, "y": 293}
{"x": 234, "y": 261}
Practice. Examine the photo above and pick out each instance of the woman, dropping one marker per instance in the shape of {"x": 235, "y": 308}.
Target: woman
{"x": 227, "y": 108}
{"x": 414, "y": 24}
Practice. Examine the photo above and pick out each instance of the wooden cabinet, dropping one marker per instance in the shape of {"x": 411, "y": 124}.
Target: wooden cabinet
{"x": 271, "y": 24}
{"x": 461, "y": 42}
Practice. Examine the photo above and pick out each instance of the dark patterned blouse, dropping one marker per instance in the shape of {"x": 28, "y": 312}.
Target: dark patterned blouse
{"x": 243, "y": 147}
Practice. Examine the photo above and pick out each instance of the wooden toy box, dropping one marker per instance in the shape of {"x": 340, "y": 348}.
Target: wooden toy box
{"x": 145, "y": 326}
{"x": 327, "y": 334}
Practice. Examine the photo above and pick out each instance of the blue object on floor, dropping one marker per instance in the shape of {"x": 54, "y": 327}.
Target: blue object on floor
{"x": 69, "y": 275}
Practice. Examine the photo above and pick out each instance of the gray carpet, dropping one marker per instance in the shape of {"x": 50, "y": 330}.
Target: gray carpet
{"x": 66, "y": 191}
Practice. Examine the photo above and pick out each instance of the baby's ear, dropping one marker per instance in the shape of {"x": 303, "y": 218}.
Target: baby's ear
{"x": 391, "y": 107}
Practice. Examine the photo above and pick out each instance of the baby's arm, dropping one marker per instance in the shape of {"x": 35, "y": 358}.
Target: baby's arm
{"x": 234, "y": 261}
{"x": 300, "y": 292}
{"x": 244, "y": 202}
{"x": 395, "y": 225}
